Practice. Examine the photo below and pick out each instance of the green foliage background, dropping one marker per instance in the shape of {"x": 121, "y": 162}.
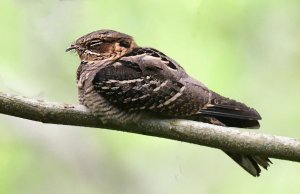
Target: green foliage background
{"x": 248, "y": 50}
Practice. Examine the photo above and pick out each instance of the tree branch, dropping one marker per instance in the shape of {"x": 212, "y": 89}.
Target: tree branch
{"x": 230, "y": 139}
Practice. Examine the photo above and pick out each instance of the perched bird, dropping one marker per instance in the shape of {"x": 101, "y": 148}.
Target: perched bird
{"x": 119, "y": 80}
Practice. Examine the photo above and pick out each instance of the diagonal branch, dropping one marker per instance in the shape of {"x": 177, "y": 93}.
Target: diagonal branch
{"x": 229, "y": 139}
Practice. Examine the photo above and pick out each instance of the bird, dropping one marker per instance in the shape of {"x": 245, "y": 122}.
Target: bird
{"x": 120, "y": 81}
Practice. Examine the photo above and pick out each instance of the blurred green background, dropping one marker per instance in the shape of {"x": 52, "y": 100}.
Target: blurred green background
{"x": 248, "y": 50}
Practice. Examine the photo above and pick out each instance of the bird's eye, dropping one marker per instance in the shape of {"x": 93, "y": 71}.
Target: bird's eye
{"x": 124, "y": 43}
{"x": 94, "y": 44}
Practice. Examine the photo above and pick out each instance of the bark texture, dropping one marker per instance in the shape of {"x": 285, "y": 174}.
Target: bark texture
{"x": 229, "y": 139}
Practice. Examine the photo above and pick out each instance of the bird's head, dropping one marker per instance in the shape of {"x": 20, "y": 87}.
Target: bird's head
{"x": 103, "y": 44}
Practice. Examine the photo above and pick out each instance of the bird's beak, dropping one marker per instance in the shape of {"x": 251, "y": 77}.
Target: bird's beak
{"x": 72, "y": 47}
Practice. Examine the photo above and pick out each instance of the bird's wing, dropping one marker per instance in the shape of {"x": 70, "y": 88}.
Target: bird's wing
{"x": 146, "y": 79}
{"x": 143, "y": 80}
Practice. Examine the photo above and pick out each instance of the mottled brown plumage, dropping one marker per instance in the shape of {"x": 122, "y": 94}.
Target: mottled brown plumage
{"x": 119, "y": 80}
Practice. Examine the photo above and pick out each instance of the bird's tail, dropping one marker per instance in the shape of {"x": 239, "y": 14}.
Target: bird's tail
{"x": 230, "y": 113}
{"x": 250, "y": 163}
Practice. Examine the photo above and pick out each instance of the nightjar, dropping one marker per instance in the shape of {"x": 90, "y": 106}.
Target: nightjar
{"x": 120, "y": 81}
